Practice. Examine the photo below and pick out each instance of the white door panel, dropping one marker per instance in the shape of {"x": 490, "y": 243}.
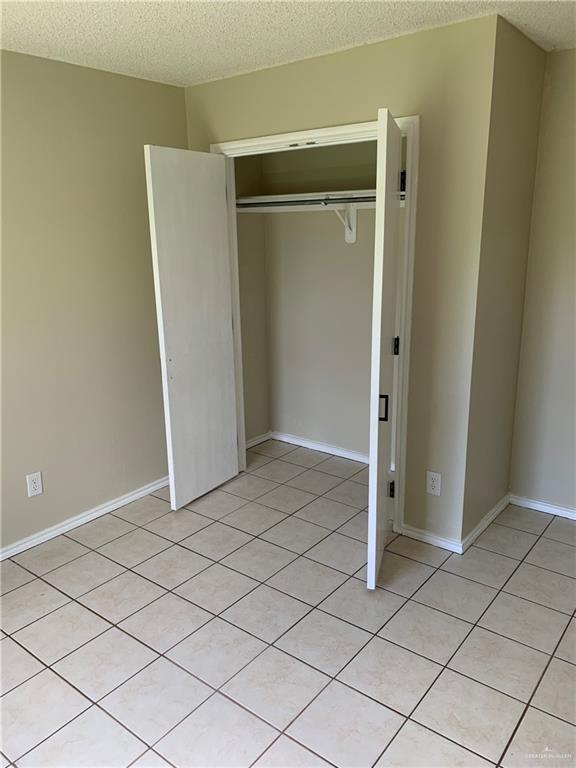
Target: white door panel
{"x": 190, "y": 252}
{"x": 382, "y": 394}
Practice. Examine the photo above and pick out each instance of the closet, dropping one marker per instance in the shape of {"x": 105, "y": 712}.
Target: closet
{"x": 281, "y": 271}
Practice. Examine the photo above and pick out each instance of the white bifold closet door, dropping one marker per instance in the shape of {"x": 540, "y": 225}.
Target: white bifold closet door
{"x": 192, "y": 280}
{"x": 382, "y": 397}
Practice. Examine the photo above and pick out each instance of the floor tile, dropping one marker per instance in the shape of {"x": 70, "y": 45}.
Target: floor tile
{"x": 16, "y": 666}
{"x": 562, "y": 529}
{"x": 217, "y": 504}
{"x": 482, "y": 566}
{"x": 314, "y": 482}
{"x": 469, "y": 713}
{"x": 567, "y": 648}
{"x": 98, "y": 532}
{"x": 541, "y": 586}
{"x": 327, "y": 512}
{"x": 541, "y": 739}
{"x": 155, "y": 700}
{"x": 61, "y": 632}
{"x": 273, "y": 448}
{"x": 362, "y": 477}
{"x": 165, "y": 622}
{"x": 392, "y": 675}
{"x": 345, "y": 727}
{"x": 266, "y": 613}
{"x": 555, "y": 556}
{"x": 286, "y": 499}
{"x": 150, "y": 760}
{"x": 323, "y": 641}
{"x": 93, "y": 739}
{"x": 555, "y": 694}
{"x": 340, "y": 467}
{"x": 285, "y": 752}
{"x": 162, "y": 493}
{"x": 527, "y": 622}
{"x": 104, "y": 663}
{"x": 506, "y": 541}
{"x": 217, "y": 541}
{"x": 418, "y": 747}
{"x": 259, "y": 559}
{"x": 524, "y": 519}
{"x": 307, "y": 580}
{"x": 49, "y": 555}
{"x": 276, "y": 687}
{"x": 296, "y": 535}
{"x": 248, "y": 487}
{"x": 400, "y": 575}
{"x": 124, "y": 595}
{"x": 201, "y": 741}
{"x": 216, "y": 588}
{"x": 366, "y": 608}
{"x": 34, "y": 710}
{"x": 254, "y": 518}
{"x": 348, "y": 492}
{"x": 500, "y": 663}
{"x": 27, "y": 603}
{"x": 84, "y": 574}
{"x": 178, "y": 525}
{"x": 173, "y": 566}
{"x": 356, "y": 527}
{"x": 418, "y": 550}
{"x": 452, "y": 594}
{"x": 255, "y": 460}
{"x": 143, "y": 510}
{"x": 423, "y": 630}
{"x": 278, "y": 471}
{"x": 306, "y": 457}
{"x": 134, "y": 548}
{"x": 216, "y": 652}
{"x": 340, "y": 552}
{"x": 12, "y": 576}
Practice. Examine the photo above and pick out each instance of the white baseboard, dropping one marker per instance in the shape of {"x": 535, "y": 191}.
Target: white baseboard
{"x": 314, "y": 445}
{"x": 453, "y": 545}
{"x": 485, "y": 522}
{"x": 83, "y": 517}
{"x": 258, "y": 439}
{"x": 543, "y": 506}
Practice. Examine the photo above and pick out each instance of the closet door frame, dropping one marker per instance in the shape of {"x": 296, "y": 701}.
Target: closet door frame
{"x": 325, "y": 137}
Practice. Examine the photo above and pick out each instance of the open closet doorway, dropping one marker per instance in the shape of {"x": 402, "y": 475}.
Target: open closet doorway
{"x": 201, "y": 227}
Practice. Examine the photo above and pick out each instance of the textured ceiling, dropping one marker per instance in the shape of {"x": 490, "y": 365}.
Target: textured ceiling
{"x": 185, "y": 43}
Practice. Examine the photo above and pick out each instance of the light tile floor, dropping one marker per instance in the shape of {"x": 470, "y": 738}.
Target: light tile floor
{"x": 239, "y": 632}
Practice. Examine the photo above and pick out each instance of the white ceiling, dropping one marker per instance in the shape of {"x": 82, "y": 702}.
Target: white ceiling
{"x": 185, "y": 43}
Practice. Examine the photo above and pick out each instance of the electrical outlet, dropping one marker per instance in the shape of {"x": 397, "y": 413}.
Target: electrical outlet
{"x": 433, "y": 483}
{"x": 34, "y": 484}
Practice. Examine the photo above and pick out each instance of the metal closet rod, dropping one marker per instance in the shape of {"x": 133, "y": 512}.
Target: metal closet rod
{"x": 320, "y": 201}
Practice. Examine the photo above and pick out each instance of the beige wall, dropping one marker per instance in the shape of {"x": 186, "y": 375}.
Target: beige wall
{"x": 320, "y": 326}
{"x": 516, "y": 99}
{"x": 254, "y": 320}
{"x": 544, "y": 452}
{"x": 82, "y": 397}
{"x": 444, "y": 75}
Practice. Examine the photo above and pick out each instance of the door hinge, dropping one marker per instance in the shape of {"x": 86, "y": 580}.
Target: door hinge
{"x": 391, "y": 489}
{"x": 396, "y": 348}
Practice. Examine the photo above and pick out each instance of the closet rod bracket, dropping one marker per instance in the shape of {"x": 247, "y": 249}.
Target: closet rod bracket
{"x": 350, "y": 221}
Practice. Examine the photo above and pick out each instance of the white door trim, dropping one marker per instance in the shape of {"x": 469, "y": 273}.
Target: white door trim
{"x": 350, "y": 134}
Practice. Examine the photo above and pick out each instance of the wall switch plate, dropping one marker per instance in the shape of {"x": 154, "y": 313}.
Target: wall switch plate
{"x": 433, "y": 483}
{"x": 34, "y": 484}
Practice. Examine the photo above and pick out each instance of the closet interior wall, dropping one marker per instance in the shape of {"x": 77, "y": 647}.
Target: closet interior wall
{"x": 306, "y": 300}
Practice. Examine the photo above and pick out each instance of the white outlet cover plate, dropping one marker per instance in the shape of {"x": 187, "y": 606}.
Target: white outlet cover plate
{"x": 433, "y": 483}
{"x": 34, "y": 484}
